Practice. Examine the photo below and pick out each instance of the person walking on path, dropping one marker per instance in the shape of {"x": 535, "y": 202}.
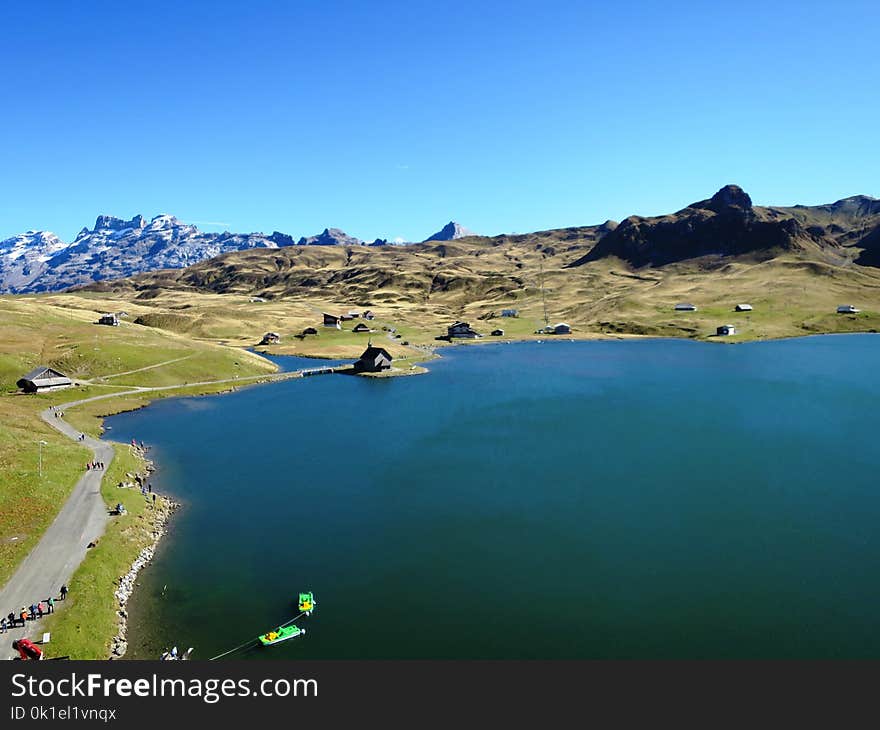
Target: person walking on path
{"x": 33, "y": 611}
{"x": 23, "y": 616}
{"x": 10, "y": 619}
{"x": 150, "y": 487}
{"x": 2, "y": 625}
{"x": 154, "y": 501}
{"x": 50, "y": 604}
{"x": 64, "y": 592}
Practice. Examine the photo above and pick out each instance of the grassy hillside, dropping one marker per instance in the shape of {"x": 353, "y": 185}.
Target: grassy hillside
{"x": 421, "y": 292}
{"x": 794, "y": 264}
{"x": 35, "y": 331}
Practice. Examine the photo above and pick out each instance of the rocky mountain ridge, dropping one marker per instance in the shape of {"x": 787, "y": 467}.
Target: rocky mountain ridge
{"x": 729, "y": 225}
{"x": 720, "y": 228}
{"x": 115, "y": 248}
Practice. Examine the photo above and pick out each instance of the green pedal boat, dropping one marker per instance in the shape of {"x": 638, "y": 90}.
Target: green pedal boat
{"x": 307, "y": 603}
{"x": 282, "y": 633}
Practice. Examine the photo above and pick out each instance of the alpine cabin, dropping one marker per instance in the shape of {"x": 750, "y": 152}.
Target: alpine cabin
{"x": 42, "y": 379}
{"x": 374, "y": 360}
{"x": 461, "y": 329}
{"x": 331, "y": 320}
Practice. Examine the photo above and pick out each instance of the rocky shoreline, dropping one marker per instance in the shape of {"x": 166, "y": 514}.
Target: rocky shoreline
{"x": 161, "y": 517}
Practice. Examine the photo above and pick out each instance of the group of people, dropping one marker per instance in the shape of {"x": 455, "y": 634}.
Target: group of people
{"x": 94, "y": 465}
{"x": 26, "y": 648}
{"x": 147, "y": 491}
{"x": 58, "y": 414}
{"x": 32, "y": 613}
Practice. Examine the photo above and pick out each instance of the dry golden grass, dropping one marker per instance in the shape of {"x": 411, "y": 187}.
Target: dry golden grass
{"x": 420, "y": 291}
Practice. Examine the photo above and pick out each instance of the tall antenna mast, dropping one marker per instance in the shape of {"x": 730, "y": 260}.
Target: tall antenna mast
{"x": 543, "y": 296}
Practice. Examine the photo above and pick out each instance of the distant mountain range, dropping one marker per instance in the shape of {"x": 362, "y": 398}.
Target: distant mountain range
{"x": 38, "y": 261}
{"x": 722, "y": 227}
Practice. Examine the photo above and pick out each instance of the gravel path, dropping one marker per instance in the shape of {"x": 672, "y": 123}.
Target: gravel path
{"x": 82, "y": 519}
{"x": 63, "y": 546}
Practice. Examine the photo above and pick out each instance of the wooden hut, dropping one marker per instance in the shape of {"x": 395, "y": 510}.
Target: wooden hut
{"x": 331, "y": 320}
{"x": 374, "y": 360}
{"x": 43, "y": 378}
{"x": 461, "y": 329}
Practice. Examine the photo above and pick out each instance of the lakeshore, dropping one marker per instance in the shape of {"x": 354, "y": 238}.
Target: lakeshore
{"x": 92, "y": 411}
{"x": 384, "y": 519}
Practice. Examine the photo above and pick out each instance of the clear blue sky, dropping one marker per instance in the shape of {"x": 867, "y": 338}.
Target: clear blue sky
{"x": 391, "y": 118}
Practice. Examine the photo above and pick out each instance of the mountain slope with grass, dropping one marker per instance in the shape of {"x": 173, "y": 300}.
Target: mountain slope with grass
{"x": 798, "y": 263}
{"x": 103, "y": 360}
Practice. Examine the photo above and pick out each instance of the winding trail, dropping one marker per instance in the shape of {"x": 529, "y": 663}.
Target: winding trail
{"x": 63, "y": 546}
{"x": 147, "y": 367}
{"x": 82, "y": 519}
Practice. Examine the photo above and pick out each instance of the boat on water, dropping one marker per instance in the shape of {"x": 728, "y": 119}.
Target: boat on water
{"x": 307, "y": 603}
{"x": 282, "y": 633}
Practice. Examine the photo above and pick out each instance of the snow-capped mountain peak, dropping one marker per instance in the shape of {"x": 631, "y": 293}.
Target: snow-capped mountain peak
{"x": 40, "y": 261}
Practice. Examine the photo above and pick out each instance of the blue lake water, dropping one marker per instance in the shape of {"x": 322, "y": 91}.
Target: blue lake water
{"x": 655, "y": 498}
